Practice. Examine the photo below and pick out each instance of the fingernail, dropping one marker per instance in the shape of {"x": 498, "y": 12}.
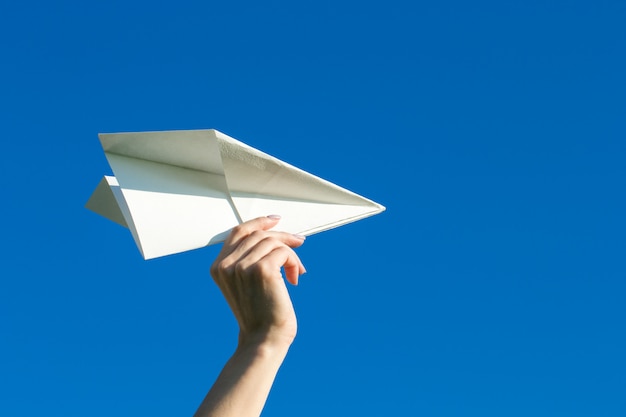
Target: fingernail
{"x": 274, "y": 217}
{"x": 299, "y": 236}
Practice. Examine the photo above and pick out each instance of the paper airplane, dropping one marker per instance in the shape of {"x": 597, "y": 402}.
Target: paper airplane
{"x": 183, "y": 190}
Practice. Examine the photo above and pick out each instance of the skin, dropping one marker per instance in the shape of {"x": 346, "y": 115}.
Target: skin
{"x": 248, "y": 272}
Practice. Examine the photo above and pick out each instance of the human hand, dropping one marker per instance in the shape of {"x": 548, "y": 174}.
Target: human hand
{"x": 248, "y": 272}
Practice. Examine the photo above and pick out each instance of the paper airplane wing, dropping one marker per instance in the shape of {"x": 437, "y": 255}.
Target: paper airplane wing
{"x": 182, "y": 190}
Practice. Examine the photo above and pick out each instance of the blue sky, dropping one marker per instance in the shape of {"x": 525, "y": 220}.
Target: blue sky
{"x": 493, "y": 132}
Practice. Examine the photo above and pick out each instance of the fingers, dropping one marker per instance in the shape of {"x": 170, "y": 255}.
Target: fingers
{"x": 245, "y": 229}
{"x": 265, "y": 250}
{"x": 252, "y": 243}
{"x": 257, "y": 237}
{"x": 285, "y": 257}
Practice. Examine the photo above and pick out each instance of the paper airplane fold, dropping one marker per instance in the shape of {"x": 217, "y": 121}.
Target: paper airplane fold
{"x": 183, "y": 190}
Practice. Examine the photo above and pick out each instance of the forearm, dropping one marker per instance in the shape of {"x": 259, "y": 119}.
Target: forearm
{"x": 245, "y": 382}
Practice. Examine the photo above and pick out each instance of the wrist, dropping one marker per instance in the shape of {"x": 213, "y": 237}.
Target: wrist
{"x": 265, "y": 342}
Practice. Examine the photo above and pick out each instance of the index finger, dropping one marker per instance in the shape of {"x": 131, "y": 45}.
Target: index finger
{"x": 242, "y": 231}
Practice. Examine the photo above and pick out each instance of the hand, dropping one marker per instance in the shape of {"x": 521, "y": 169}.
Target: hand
{"x": 248, "y": 272}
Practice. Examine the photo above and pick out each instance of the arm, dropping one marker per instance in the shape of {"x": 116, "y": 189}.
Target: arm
{"x": 248, "y": 272}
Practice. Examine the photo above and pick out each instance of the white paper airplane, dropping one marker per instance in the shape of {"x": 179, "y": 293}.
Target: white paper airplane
{"x": 183, "y": 190}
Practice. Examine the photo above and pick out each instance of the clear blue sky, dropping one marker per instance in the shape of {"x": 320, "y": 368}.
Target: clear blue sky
{"x": 493, "y": 132}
